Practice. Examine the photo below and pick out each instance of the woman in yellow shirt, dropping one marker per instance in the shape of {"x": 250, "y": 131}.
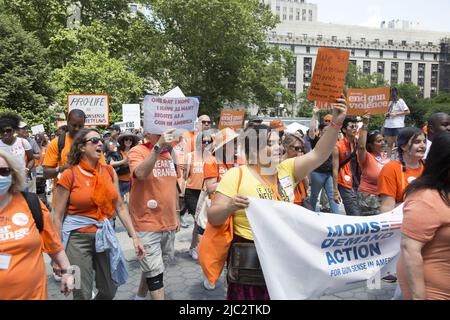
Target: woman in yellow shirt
{"x": 264, "y": 176}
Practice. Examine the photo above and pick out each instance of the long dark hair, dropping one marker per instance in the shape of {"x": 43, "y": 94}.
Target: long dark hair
{"x": 406, "y": 135}
{"x": 437, "y": 169}
{"x": 75, "y": 153}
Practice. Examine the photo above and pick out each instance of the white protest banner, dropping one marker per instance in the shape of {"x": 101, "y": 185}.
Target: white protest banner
{"x": 161, "y": 114}
{"x": 132, "y": 113}
{"x": 305, "y": 254}
{"x": 175, "y": 93}
{"x": 126, "y": 126}
{"x": 95, "y": 106}
{"x": 38, "y": 129}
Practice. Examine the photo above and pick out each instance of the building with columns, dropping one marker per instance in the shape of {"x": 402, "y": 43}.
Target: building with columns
{"x": 397, "y": 50}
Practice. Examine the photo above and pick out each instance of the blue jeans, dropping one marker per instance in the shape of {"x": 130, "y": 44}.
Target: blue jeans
{"x": 124, "y": 187}
{"x": 319, "y": 181}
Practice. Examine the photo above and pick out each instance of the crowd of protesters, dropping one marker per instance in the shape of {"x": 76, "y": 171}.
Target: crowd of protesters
{"x": 151, "y": 182}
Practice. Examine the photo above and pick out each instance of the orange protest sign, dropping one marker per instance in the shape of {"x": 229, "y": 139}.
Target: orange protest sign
{"x": 231, "y": 119}
{"x": 330, "y": 71}
{"x": 375, "y": 100}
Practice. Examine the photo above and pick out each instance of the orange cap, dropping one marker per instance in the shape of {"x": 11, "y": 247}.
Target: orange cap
{"x": 277, "y": 125}
{"x": 328, "y": 117}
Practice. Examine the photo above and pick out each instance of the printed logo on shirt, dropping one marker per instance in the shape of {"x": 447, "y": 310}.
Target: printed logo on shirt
{"x": 20, "y": 219}
{"x": 264, "y": 193}
{"x": 347, "y": 178}
{"x": 164, "y": 168}
{"x": 198, "y": 167}
{"x": 6, "y": 233}
{"x": 411, "y": 179}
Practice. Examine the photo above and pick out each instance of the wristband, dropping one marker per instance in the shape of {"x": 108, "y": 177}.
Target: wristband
{"x": 335, "y": 125}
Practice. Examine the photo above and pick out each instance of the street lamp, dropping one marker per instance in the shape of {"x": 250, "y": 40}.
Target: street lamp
{"x": 279, "y": 99}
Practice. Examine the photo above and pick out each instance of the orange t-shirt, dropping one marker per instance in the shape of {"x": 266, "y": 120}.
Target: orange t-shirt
{"x": 190, "y": 141}
{"x": 124, "y": 177}
{"x": 426, "y": 218}
{"x": 51, "y": 158}
{"x": 195, "y": 162}
{"x": 370, "y": 171}
{"x": 25, "y": 279}
{"x": 80, "y": 202}
{"x": 299, "y": 193}
{"x": 37, "y": 163}
{"x": 393, "y": 181}
{"x": 160, "y": 186}
{"x": 345, "y": 177}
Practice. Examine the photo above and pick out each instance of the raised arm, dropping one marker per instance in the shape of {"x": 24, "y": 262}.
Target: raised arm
{"x": 335, "y": 162}
{"x": 312, "y": 160}
{"x": 145, "y": 168}
{"x": 363, "y": 137}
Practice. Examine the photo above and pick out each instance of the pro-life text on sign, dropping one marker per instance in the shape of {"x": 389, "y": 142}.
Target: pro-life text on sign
{"x": 95, "y": 106}
{"x": 161, "y": 114}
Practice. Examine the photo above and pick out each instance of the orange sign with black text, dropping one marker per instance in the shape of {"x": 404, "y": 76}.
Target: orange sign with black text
{"x": 329, "y": 75}
{"x": 231, "y": 119}
{"x": 375, "y": 100}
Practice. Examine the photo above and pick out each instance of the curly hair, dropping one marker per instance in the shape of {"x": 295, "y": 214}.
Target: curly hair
{"x": 75, "y": 153}
{"x": 9, "y": 119}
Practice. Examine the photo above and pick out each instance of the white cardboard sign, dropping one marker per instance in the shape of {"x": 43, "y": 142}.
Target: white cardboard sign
{"x": 132, "y": 113}
{"x": 38, "y": 129}
{"x": 126, "y": 126}
{"x": 162, "y": 113}
{"x": 95, "y": 106}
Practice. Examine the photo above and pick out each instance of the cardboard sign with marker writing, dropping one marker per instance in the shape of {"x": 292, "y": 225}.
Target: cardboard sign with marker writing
{"x": 375, "y": 100}
{"x": 231, "y": 119}
{"x": 330, "y": 71}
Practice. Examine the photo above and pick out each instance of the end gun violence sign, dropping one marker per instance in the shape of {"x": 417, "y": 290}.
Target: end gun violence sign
{"x": 375, "y": 100}
{"x": 231, "y": 119}
{"x": 329, "y": 75}
{"x": 162, "y": 113}
{"x": 95, "y": 106}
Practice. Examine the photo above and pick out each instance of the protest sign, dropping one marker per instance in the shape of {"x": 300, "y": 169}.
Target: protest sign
{"x": 38, "y": 129}
{"x": 231, "y": 119}
{"x": 329, "y": 75}
{"x": 375, "y": 100}
{"x": 95, "y": 106}
{"x": 175, "y": 93}
{"x": 126, "y": 126}
{"x": 61, "y": 123}
{"x": 323, "y": 105}
{"x": 132, "y": 113}
{"x": 161, "y": 113}
{"x": 321, "y": 254}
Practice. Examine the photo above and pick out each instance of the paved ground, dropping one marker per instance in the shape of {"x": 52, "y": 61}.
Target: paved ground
{"x": 183, "y": 278}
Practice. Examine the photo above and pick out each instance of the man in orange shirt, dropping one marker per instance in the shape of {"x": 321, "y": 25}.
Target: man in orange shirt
{"x": 153, "y": 206}
{"x": 55, "y": 160}
{"x": 203, "y": 124}
{"x": 345, "y": 169}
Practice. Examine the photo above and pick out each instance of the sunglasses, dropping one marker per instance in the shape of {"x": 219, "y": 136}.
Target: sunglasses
{"x": 353, "y": 126}
{"x": 207, "y": 142}
{"x": 298, "y": 149}
{"x": 128, "y": 139}
{"x": 5, "y": 172}
{"x": 94, "y": 140}
{"x": 8, "y": 130}
{"x": 206, "y": 122}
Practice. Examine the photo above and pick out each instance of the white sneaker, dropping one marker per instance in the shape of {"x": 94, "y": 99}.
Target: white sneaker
{"x": 193, "y": 253}
{"x": 56, "y": 277}
{"x": 208, "y": 286}
{"x": 147, "y": 297}
{"x": 183, "y": 222}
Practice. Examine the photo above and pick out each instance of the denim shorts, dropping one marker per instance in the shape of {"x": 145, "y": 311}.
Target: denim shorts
{"x": 391, "y": 132}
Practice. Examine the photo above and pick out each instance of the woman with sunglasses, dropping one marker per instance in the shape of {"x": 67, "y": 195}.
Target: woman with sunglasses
{"x": 265, "y": 176}
{"x": 194, "y": 181}
{"x": 119, "y": 161}
{"x": 87, "y": 198}
{"x": 22, "y": 242}
{"x": 293, "y": 144}
{"x": 371, "y": 159}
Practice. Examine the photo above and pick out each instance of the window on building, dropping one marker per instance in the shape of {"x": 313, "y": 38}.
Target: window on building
{"x": 353, "y": 62}
{"x": 278, "y": 8}
{"x": 305, "y": 36}
{"x": 289, "y": 34}
{"x": 395, "y": 54}
{"x": 291, "y": 17}
{"x": 367, "y": 53}
{"x": 377, "y": 41}
{"x": 430, "y": 44}
{"x": 434, "y": 75}
{"x": 408, "y": 72}
{"x": 421, "y": 75}
{"x": 391, "y": 42}
{"x": 380, "y": 67}
{"x": 408, "y": 55}
{"x": 284, "y": 17}
{"x": 307, "y": 70}
{"x": 422, "y": 56}
{"x": 366, "y": 67}
{"x": 349, "y": 39}
{"x": 334, "y": 38}
{"x": 381, "y": 54}
{"x": 308, "y": 49}
{"x": 435, "y": 57}
{"x": 363, "y": 40}
{"x": 418, "y": 43}
{"x": 394, "y": 73}
{"x": 319, "y": 37}
{"x": 297, "y": 17}
{"x": 353, "y": 52}
{"x": 404, "y": 43}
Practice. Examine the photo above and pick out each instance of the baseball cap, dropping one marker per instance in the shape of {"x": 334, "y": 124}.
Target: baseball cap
{"x": 22, "y": 125}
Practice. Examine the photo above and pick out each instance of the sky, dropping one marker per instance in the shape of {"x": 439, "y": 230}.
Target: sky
{"x": 433, "y": 15}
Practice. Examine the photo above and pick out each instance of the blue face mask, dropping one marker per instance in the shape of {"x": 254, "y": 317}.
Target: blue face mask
{"x": 5, "y": 184}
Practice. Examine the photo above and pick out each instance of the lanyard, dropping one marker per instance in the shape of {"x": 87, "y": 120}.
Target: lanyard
{"x": 273, "y": 186}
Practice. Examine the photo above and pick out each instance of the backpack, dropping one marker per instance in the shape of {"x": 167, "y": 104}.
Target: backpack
{"x": 117, "y": 156}
{"x": 36, "y": 210}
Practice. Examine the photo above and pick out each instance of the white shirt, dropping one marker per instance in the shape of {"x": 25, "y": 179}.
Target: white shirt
{"x": 428, "y": 149}
{"x": 17, "y": 150}
{"x": 398, "y": 121}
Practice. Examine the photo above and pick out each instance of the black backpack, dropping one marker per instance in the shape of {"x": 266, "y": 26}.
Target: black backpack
{"x": 117, "y": 156}
{"x": 36, "y": 210}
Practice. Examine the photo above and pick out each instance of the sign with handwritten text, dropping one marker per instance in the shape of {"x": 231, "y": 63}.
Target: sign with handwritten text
{"x": 375, "y": 100}
{"x": 329, "y": 75}
{"x": 231, "y": 119}
{"x": 161, "y": 113}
